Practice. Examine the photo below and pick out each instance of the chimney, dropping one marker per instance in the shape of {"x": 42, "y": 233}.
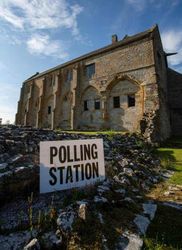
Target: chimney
{"x": 114, "y": 38}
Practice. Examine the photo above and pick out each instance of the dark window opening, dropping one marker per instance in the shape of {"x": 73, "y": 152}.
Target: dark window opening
{"x": 131, "y": 100}
{"x": 97, "y": 104}
{"x": 116, "y": 102}
{"x": 49, "y": 110}
{"x": 90, "y": 70}
{"x": 69, "y": 75}
{"x": 85, "y": 105}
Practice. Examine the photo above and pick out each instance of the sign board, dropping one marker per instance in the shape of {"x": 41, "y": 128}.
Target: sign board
{"x": 70, "y": 164}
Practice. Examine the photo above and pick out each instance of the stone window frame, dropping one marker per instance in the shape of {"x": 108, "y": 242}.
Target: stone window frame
{"x": 90, "y": 70}
{"x": 69, "y": 75}
{"x": 131, "y": 100}
{"x": 116, "y": 101}
{"x": 85, "y": 105}
{"x": 49, "y": 110}
{"x": 97, "y": 104}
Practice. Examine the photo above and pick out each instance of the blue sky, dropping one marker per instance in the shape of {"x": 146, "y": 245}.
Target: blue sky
{"x": 38, "y": 34}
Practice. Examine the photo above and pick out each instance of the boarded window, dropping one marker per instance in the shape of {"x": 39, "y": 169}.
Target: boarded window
{"x": 49, "y": 109}
{"x": 85, "y": 105}
{"x": 69, "y": 75}
{"x": 131, "y": 100}
{"x": 90, "y": 70}
{"x": 97, "y": 104}
{"x": 116, "y": 102}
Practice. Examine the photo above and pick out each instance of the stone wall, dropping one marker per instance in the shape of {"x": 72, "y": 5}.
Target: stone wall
{"x": 132, "y": 69}
{"x": 175, "y": 101}
{"x": 163, "y": 120}
{"x": 118, "y": 73}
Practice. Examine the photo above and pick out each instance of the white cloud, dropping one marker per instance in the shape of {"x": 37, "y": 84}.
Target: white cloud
{"x": 8, "y": 96}
{"x": 42, "y": 44}
{"x": 38, "y": 14}
{"x": 11, "y": 18}
{"x": 30, "y": 17}
{"x": 172, "y": 42}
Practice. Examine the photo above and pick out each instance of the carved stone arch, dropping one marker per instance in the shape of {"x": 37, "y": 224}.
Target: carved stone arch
{"x": 121, "y": 113}
{"x": 91, "y": 113}
{"x": 90, "y": 87}
{"x": 119, "y": 78}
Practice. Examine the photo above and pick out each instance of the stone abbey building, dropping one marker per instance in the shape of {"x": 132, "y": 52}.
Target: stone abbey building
{"x": 124, "y": 86}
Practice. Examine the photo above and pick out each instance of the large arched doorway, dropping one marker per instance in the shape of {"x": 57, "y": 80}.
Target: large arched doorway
{"x": 124, "y": 105}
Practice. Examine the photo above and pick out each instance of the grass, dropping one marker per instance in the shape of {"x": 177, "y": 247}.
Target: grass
{"x": 165, "y": 230}
{"x": 171, "y": 159}
{"x": 89, "y": 132}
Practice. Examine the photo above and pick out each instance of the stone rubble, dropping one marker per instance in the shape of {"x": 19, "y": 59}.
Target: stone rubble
{"x": 66, "y": 219}
{"x": 142, "y": 223}
{"x": 130, "y": 168}
{"x": 129, "y": 241}
{"x": 150, "y": 209}
{"x": 33, "y": 244}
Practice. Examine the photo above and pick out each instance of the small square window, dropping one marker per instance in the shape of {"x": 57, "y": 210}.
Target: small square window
{"x": 131, "y": 100}
{"x": 97, "y": 104}
{"x": 85, "y": 105}
{"x": 116, "y": 102}
{"x": 90, "y": 70}
{"x": 69, "y": 75}
{"x": 49, "y": 110}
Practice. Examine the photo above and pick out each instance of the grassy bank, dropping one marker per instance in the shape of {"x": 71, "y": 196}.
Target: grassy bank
{"x": 165, "y": 230}
{"x": 89, "y": 132}
{"x": 171, "y": 159}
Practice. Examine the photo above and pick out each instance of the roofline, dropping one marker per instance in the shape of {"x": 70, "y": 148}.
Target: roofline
{"x": 123, "y": 42}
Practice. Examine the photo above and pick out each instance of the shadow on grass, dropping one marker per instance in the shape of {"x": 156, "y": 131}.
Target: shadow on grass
{"x": 164, "y": 233}
{"x": 165, "y": 230}
{"x": 167, "y": 158}
{"x": 174, "y": 142}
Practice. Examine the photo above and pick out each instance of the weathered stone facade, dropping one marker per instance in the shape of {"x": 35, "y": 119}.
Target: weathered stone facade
{"x": 115, "y": 87}
{"x": 175, "y": 101}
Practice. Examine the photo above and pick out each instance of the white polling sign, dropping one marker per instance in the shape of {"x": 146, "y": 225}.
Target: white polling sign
{"x": 70, "y": 164}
